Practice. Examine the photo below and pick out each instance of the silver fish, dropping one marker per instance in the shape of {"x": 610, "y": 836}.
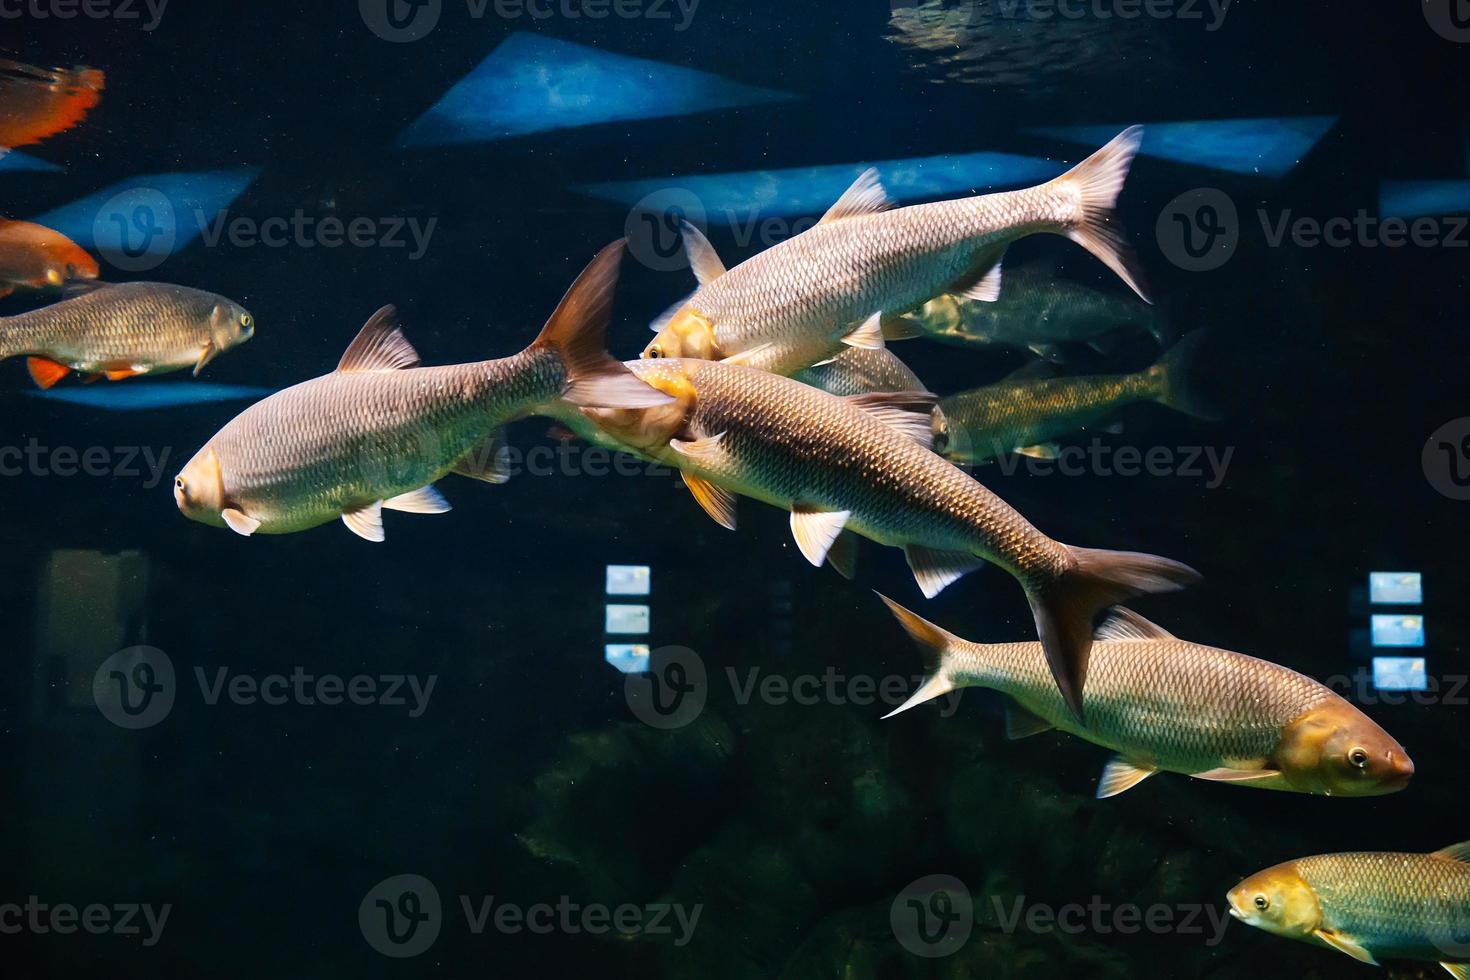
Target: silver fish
{"x": 861, "y": 370}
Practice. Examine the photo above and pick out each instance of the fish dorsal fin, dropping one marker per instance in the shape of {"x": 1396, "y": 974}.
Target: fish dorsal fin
{"x": 1343, "y": 944}
{"x": 703, "y": 258}
{"x": 909, "y": 412}
{"x": 1455, "y": 852}
{"x": 73, "y": 288}
{"x": 868, "y": 335}
{"x": 717, "y": 502}
{"x": 366, "y": 522}
{"x": 379, "y": 346}
{"x": 815, "y": 530}
{"x": 1125, "y": 624}
{"x": 1023, "y": 723}
{"x": 1120, "y": 775}
{"x": 865, "y": 196}
{"x": 424, "y": 500}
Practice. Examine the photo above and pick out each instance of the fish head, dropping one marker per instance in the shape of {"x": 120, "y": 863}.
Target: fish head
{"x": 689, "y": 334}
{"x": 230, "y": 325}
{"x": 942, "y": 316}
{"x": 1278, "y": 900}
{"x": 1336, "y": 750}
{"x": 199, "y": 489}
{"x": 71, "y": 261}
{"x": 649, "y": 430}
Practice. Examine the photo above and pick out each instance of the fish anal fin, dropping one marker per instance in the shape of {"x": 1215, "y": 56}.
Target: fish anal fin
{"x": 366, "y": 522}
{"x": 1343, "y": 944}
{"x": 238, "y": 521}
{"x": 867, "y": 335}
{"x": 424, "y": 500}
{"x": 379, "y": 345}
{"x": 717, "y": 502}
{"x": 1120, "y": 775}
{"x": 865, "y": 196}
{"x": 1023, "y": 723}
{"x": 46, "y": 372}
{"x": 815, "y": 530}
{"x": 934, "y": 569}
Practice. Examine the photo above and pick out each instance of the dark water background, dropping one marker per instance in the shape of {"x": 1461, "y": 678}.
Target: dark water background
{"x": 793, "y": 827}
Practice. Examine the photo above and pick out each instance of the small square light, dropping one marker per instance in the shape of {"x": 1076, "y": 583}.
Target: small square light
{"x": 1397, "y": 631}
{"x": 1400, "y": 674}
{"x": 627, "y": 619}
{"x": 628, "y": 579}
{"x": 1395, "y": 588}
{"x": 630, "y": 658}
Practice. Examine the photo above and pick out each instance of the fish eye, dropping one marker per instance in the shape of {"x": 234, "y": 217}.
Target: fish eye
{"x": 179, "y": 483}
{"x": 655, "y": 352}
{"x": 1358, "y": 757}
{"x": 246, "y": 320}
{"x": 1262, "y": 903}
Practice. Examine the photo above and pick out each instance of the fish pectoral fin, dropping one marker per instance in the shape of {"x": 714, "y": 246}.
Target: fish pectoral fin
{"x": 910, "y": 412}
{"x": 667, "y": 316}
{"x": 934, "y": 569}
{"x": 1343, "y": 944}
{"x": 703, "y": 258}
{"x": 366, "y": 522}
{"x": 238, "y": 521}
{"x": 1225, "y": 774}
{"x": 46, "y": 372}
{"x": 1042, "y": 450}
{"x": 747, "y": 357}
{"x": 424, "y": 500}
{"x": 981, "y": 284}
{"x": 717, "y": 502}
{"x": 1125, "y": 624}
{"x": 1023, "y": 723}
{"x": 379, "y": 345}
{"x": 867, "y": 335}
{"x": 815, "y": 530}
{"x": 206, "y": 355}
{"x": 1460, "y": 971}
{"x": 1051, "y": 352}
{"x": 843, "y": 554}
{"x": 865, "y": 196}
{"x": 897, "y": 328}
{"x": 1120, "y": 775}
{"x": 698, "y": 449}
{"x": 489, "y": 461}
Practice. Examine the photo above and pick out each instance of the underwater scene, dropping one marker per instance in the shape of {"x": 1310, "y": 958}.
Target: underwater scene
{"x": 734, "y": 489}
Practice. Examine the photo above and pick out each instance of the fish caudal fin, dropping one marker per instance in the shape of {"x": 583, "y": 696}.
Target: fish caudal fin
{"x": 1096, "y": 182}
{"x": 1173, "y": 373}
{"x": 577, "y": 332}
{"x": 1066, "y": 606}
{"x": 935, "y": 644}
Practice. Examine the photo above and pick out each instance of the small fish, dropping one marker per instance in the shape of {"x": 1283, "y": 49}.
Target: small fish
{"x": 1035, "y": 311}
{"x": 35, "y": 257}
{"x": 1166, "y": 705}
{"x": 1368, "y": 904}
{"x": 862, "y": 465}
{"x": 376, "y": 433}
{"x": 1025, "y": 414}
{"x": 782, "y": 309}
{"x": 120, "y": 330}
{"x": 36, "y": 103}
{"x": 860, "y": 371}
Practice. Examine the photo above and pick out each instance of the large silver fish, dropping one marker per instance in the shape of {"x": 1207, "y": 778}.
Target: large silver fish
{"x": 376, "y": 433}
{"x": 1368, "y": 904}
{"x": 782, "y": 309}
{"x": 863, "y": 465}
{"x": 1167, "y": 705}
{"x": 118, "y": 330}
{"x": 1025, "y": 414}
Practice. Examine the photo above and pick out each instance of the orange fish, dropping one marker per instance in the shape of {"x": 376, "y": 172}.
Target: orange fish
{"x": 35, "y": 257}
{"x": 36, "y": 103}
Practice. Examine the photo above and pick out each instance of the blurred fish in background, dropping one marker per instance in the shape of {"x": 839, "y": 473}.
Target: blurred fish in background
{"x": 33, "y": 256}
{"x": 38, "y": 103}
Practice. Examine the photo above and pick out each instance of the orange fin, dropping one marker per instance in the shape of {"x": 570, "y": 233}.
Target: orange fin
{"x": 91, "y": 379}
{"x": 46, "y": 373}
{"x": 121, "y": 373}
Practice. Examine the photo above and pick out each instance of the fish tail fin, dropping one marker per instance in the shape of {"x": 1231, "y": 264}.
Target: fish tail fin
{"x": 577, "y": 332}
{"x": 1066, "y": 606}
{"x": 1096, "y": 183}
{"x": 1172, "y": 373}
{"x": 936, "y": 644}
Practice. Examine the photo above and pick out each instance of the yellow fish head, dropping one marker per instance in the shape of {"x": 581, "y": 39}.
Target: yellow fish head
{"x": 1337, "y": 750}
{"x": 1279, "y": 901}
{"x": 649, "y": 430}
{"x": 689, "y": 334}
{"x": 199, "y": 488}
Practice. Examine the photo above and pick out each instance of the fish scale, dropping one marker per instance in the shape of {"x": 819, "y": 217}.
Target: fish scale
{"x": 1011, "y": 414}
{"x": 1398, "y": 904}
